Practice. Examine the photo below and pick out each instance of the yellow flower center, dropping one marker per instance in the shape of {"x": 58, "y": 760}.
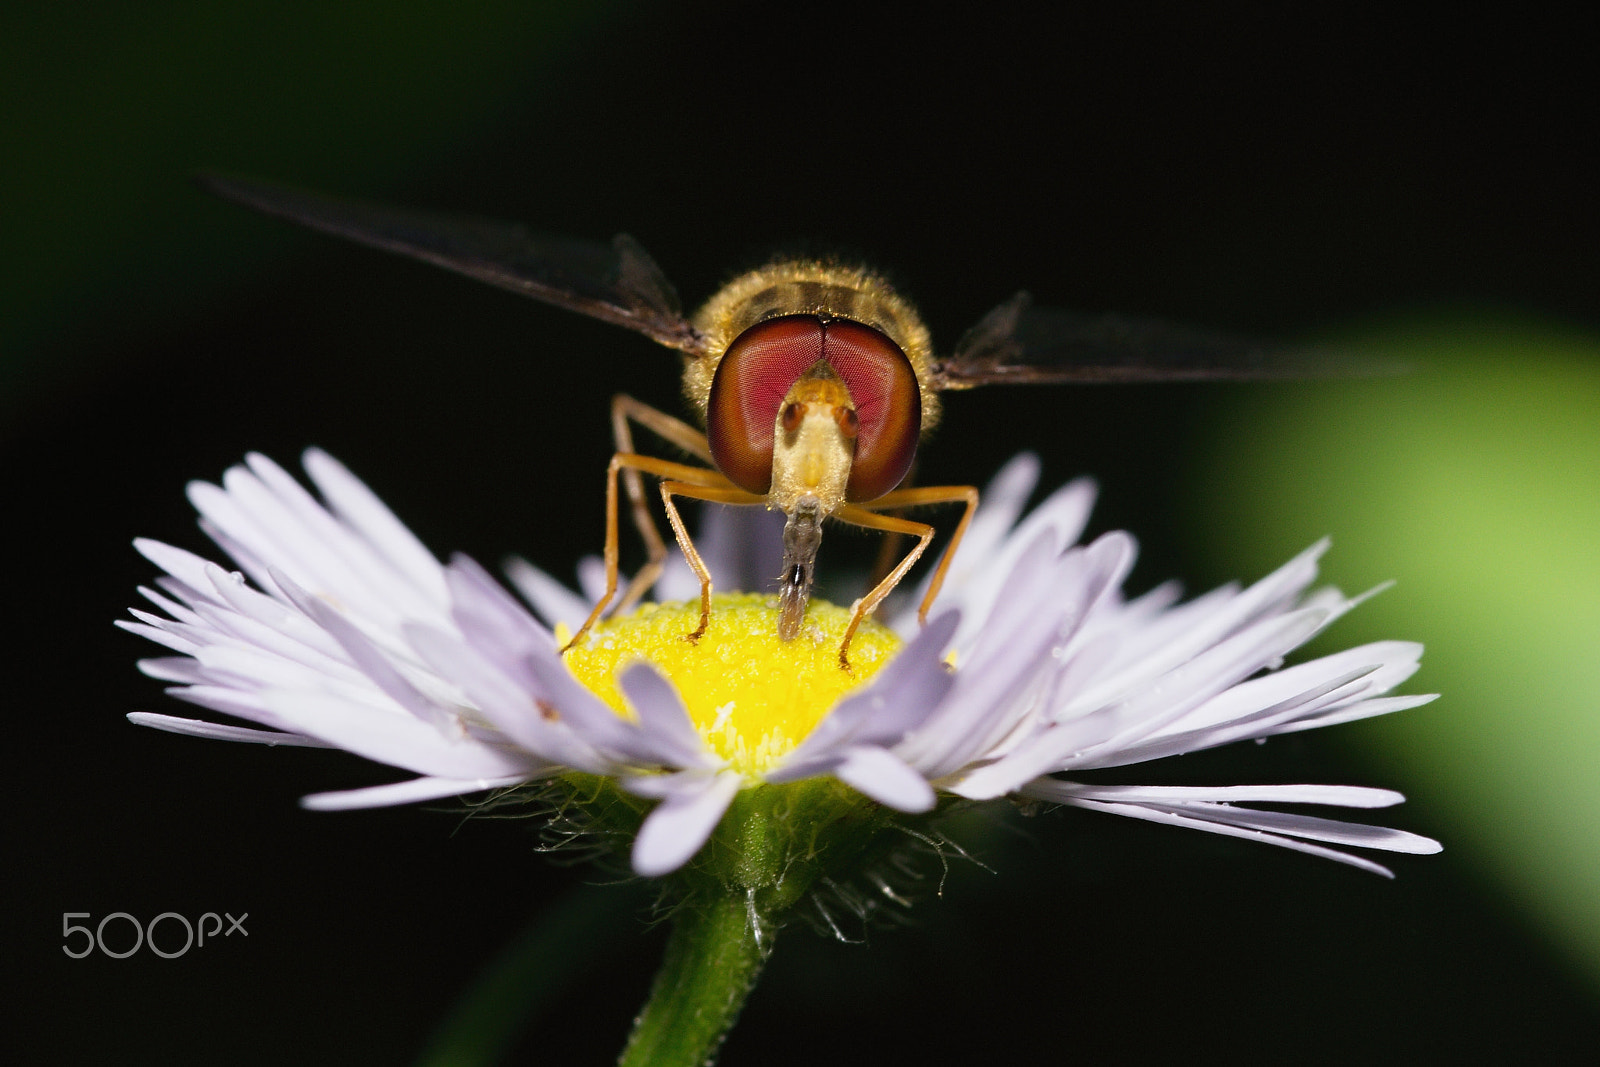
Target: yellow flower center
{"x": 751, "y": 696}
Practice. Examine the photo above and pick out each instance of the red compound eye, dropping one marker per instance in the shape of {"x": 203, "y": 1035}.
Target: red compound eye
{"x": 755, "y": 375}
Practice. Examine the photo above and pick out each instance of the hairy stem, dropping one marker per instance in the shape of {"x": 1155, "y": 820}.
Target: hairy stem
{"x": 712, "y": 961}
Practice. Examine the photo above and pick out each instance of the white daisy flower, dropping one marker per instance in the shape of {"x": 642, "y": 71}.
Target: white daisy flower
{"x": 341, "y": 630}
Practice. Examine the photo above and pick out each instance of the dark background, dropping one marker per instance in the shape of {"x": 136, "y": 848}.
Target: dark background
{"x": 1257, "y": 171}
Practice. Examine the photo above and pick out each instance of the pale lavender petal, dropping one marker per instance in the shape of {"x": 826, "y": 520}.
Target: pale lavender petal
{"x": 410, "y": 593}
{"x": 740, "y": 546}
{"x": 1364, "y": 709}
{"x": 899, "y": 697}
{"x": 978, "y": 583}
{"x": 1312, "y": 828}
{"x": 1186, "y": 686}
{"x": 522, "y": 715}
{"x": 1316, "y": 691}
{"x": 239, "y": 703}
{"x": 592, "y": 579}
{"x": 183, "y": 565}
{"x": 1135, "y": 811}
{"x": 489, "y": 617}
{"x": 273, "y": 627}
{"x": 172, "y": 607}
{"x": 678, "y": 581}
{"x": 663, "y": 716}
{"x": 1379, "y": 667}
{"x": 1252, "y": 723}
{"x": 407, "y": 792}
{"x": 247, "y": 560}
{"x": 878, "y": 774}
{"x": 1005, "y": 681}
{"x": 1227, "y": 617}
{"x": 1215, "y": 805}
{"x": 1064, "y": 745}
{"x": 591, "y": 717}
{"x": 218, "y": 732}
{"x": 392, "y": 737}
{"x": 1004, "y": 665}
{"x": 677, "y": 827}
{"x": 1344, "y": 796}
{"x": 372, "y": 663}
{"x": 288, "y": 549}
{"x": 1001, "y": 501}
{"x": 554, "y": 602}
{"x": 173, "y": 669}
{"x": 352, "y": 501}
{"x": 158, "y": 630}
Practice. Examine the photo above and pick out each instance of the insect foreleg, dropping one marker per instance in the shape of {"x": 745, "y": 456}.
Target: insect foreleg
{"x": 624, "y": 409}
{"x": 716, "y": 494}
{"x": 934, "y": 494}
{"x": 858, "y": 515}
{"x": 694, "y": 477}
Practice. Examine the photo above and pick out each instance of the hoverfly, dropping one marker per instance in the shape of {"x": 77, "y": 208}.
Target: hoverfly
{"x": 814, "y": 381}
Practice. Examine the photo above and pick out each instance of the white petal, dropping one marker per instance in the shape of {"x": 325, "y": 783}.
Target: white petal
{"x": 173, "y": 669}
{"x": 1003, "y": 687}
{"x": 218, "y": 732}
{"x": 663, "y": 716}
{"x": 1380, "y": 667}
{"x": 410, "y": 595}
{"x": 680, "y": 824}
{"x": 879, "y": 775}
{"x": 352, "y": 501}
{"x": 554, "y": 602}
{"x": 999, "y": 505}
{"x": 408, "y": 792}
{"x": 742, "y": 547}
{"x": 159, "y": 631}
{"x": 591, "y": 718}
{"x": 592, "y": 578}
{"x": 396, "y": 739}
{"x": 900, "y": 696}
{"x": 372, "y": 663}
{"x": 1312, "y": 828}
{"x": 513, "y": 709}
{"x": 1364, "y": 709}
{"x": 1345, "y": 796}
{"x": 1135, "y": 811}
{"x": 1004, "y": 666}
{"x": 185, "y": 566}
{"x": 1224, "y": 617}
{"x": 168, "y": 605}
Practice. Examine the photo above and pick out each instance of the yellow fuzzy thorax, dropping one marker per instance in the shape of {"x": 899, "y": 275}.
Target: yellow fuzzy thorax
{"x": 751, "y": 696}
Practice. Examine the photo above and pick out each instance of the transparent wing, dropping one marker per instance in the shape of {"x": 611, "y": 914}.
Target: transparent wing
{"x": 617, "y": 283}
{"x": 1022, "y": 344}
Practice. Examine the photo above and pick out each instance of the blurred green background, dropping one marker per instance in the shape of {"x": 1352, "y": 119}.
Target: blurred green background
{"x": 1415, "y": 187}
{"x": 1476, "y": 479}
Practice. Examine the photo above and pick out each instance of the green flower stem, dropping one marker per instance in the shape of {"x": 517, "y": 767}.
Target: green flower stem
{"x": 713, "y": 959}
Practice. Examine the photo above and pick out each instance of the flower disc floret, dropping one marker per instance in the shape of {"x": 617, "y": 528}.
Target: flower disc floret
{"x": 751, "y": 696}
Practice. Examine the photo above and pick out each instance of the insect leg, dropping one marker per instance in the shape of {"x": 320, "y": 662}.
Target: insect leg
{"x": 863, "y": 607}
{"x": 889, "y": 547}
{"x": 716, "y": 494}
{"x": 935, "y": 494}
{"x": 661, "y": 468}
{"x": 674, "y": 431}
{"x": 861, "y": 516}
